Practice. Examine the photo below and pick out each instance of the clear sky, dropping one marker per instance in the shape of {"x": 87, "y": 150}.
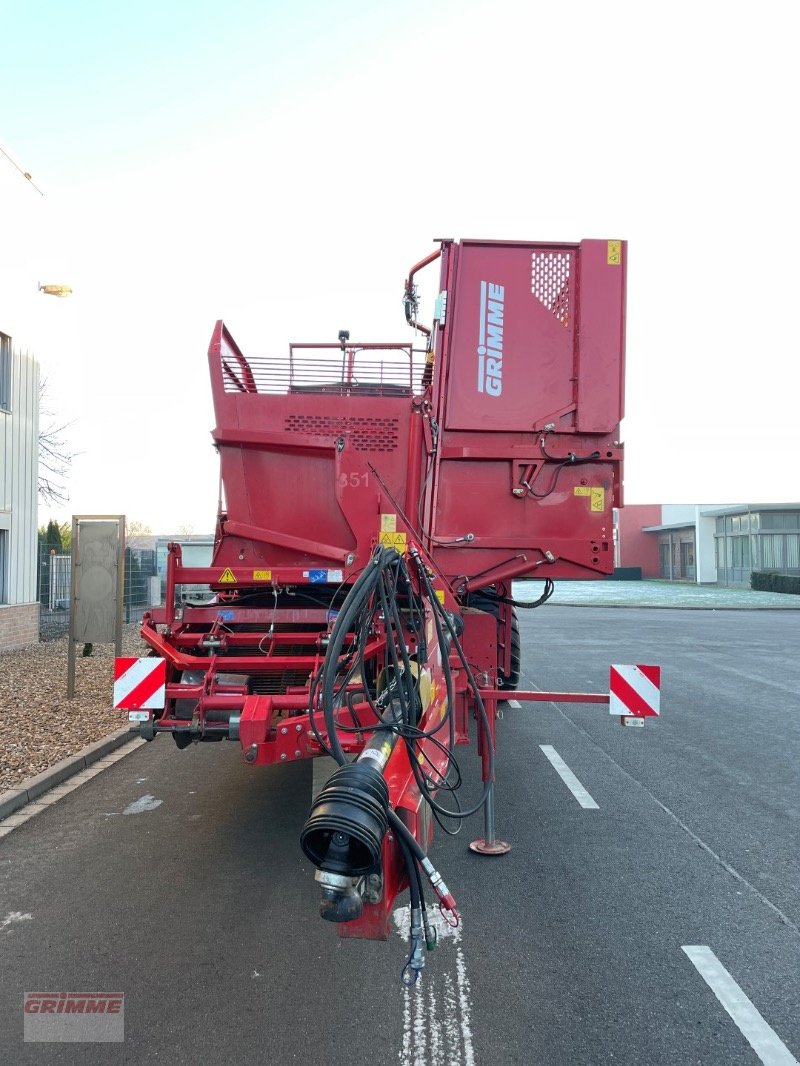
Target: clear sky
{"x": 281, "y": 166}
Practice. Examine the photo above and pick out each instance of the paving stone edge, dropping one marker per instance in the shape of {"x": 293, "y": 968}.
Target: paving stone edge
{"x": 34, "y": 787}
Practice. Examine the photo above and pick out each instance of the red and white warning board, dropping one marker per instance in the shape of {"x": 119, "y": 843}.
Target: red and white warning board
{"x": 140, "y": 684}
{"x": 635, "y": 691}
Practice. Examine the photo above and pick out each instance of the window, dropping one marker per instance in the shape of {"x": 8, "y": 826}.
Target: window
{"x": 741, "y": 552}
{"x": 772, "y": 549}
{"x": 5, "y": 372}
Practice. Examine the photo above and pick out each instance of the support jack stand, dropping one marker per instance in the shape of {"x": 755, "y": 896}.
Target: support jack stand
{"x": 488, "y": 844}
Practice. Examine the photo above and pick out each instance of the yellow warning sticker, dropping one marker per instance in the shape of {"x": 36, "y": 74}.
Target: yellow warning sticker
{"x": 388, "y": 523}
{"x": 392, "y": 540}
{"x": 262, "y": 575}
{"x": 439, "y": 595}
{"x": 614, "y": 253}
{"x": 596, "y": 494}
{"x": 227, "y": 577}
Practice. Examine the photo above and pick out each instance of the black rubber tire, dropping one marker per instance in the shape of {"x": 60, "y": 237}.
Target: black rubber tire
{"x": 488, "y": 603}
{"x": 511, "y": 681}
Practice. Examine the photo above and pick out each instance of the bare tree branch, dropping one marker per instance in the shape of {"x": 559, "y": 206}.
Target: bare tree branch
{"x": 55, "y": 454}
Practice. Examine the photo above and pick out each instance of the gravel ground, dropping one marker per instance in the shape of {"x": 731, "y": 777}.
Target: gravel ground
{"x": 39, "y": 724}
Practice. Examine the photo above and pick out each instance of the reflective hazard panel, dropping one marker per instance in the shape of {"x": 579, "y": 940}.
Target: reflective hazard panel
{"x": 140, "y": 684}
{"x": 635, "y": 691}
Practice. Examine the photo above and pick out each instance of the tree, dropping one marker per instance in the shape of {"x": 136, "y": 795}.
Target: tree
{"x": 135, "y": 527}
{"x": 66, "y": 536}
{"x": 52, "y": 537}
{"x": 55, "y": 456}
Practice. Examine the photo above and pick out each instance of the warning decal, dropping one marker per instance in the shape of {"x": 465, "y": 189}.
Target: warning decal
{"x": 227, "y": 577}
{"x": 614, "y": 253}
{"x": 393, "y": 540}
{"x": 596, "y": 494}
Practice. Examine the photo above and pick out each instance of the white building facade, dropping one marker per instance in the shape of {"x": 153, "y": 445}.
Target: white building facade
{"x": 19, "y": 439}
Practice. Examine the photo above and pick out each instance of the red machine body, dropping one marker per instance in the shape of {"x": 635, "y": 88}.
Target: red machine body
{"x": 488, "y": 453}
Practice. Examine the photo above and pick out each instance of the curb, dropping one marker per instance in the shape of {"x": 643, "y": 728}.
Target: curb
{"x": 36, "y": 786}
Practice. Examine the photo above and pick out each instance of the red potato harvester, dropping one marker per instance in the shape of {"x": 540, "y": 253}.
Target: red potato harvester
{"x": 379, "y": 499}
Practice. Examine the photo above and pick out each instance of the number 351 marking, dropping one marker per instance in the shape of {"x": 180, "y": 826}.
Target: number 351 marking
{"x": 353, "y": 480}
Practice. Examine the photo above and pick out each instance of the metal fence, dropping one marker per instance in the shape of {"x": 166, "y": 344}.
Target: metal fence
{"x": 54, "y": 584}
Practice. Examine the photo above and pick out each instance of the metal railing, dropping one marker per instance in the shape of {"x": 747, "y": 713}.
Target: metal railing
{"x": 358, "y": 369}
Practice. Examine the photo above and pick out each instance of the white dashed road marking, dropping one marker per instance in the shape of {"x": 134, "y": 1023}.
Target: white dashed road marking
{"x": 569, "y": 779}
{"x": 761, "y": 1037}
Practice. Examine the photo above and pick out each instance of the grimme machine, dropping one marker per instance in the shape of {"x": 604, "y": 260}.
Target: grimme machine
{"x": 377, "y": 502}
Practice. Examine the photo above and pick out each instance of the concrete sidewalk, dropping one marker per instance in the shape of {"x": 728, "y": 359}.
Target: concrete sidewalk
{"x": 656, "y": 594}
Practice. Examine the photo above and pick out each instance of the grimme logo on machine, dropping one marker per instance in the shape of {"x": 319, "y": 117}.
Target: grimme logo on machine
{"x": 490, "y": 339}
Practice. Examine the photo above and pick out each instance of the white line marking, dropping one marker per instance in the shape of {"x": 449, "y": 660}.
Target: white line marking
{"x": 515, "y": 704}
{"x": 437, "y": 1026}
{"x": 144, "y": 803}
{"x": 726, "y": 866}
{"x": 761, "y": 1037}
{"x": 15, "y": 916}
{"x": 569, "y": 779}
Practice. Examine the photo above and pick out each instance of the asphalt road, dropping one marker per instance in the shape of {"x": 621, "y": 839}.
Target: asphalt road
{"x": 203, "y": 910}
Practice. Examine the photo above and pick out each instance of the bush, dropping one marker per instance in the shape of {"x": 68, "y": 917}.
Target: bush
{"x": 766, "y": 581}
{"x": 625, "y": 573}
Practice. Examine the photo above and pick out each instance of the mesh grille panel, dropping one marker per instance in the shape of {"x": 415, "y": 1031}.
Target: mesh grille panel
{"x": 550, "y": 273}
{"x": 365, "y": 434}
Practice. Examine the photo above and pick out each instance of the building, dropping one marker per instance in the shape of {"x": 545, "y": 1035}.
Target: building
{"x": 197, "y": 549}
{"x": 19, "y": 441}
{"x": 707, "y": 543}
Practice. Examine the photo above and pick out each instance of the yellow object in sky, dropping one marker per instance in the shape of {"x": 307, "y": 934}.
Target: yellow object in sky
{"x": 56, "y": 290}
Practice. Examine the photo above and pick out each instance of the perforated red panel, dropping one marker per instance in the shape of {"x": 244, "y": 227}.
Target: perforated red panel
{"x": 550, "y": 272}
{"x": 365, "y": 434}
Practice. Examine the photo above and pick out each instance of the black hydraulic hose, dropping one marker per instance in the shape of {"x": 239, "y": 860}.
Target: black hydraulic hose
{"x": 355, "y": 599}
{"x": 402, "y": 693}
{"x": 439, "y": 609}
{"x": 412, "y": 872}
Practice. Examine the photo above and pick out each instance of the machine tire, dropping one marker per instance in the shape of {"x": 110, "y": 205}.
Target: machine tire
{"x": 511, "y": 681}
